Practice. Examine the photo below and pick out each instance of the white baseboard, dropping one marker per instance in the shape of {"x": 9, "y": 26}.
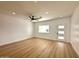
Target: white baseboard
{"x": 14, "y": 41}
{"x": 75, "y": 48}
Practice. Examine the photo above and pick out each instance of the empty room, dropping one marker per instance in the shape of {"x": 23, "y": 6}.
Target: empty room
{"x": 39, "y": 29}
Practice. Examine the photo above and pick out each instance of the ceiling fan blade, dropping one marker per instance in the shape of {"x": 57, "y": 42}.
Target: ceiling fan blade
{"x": 39, "y": 18}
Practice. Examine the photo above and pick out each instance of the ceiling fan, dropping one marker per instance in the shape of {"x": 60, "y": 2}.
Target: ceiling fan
{"x": 34, "y": 18}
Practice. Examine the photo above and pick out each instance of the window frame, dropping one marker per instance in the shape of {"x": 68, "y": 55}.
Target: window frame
{"x": 41, "y": 26}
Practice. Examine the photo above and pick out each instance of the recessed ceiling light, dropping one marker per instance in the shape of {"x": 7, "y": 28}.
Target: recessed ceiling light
{"x": 46, "y": 12}
{"x": 35, "y": 1}
{"x": 13, "y": 13}
{"x": 60, "y": 16}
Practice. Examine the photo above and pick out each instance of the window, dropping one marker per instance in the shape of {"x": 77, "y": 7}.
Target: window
{"x": 61, "y": 27}
{"x": 60, "y": 37}
{"x": 43, "y": 28}
{"x": 60, "y": 32}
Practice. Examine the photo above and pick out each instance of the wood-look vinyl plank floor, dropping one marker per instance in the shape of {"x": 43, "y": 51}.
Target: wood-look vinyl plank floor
{"x": 38, "y": 48}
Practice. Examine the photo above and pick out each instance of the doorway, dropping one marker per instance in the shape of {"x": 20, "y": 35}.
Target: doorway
{"x": 60, "y": 33}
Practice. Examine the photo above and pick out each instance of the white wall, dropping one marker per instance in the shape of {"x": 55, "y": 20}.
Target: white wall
{"x": 75, "y": 30}
{"x": 53, "y": 28}
{"x": 14, "y": 28}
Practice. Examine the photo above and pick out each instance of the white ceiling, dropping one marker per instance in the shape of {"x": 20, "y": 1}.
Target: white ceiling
{"x": 54, "y": 8}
